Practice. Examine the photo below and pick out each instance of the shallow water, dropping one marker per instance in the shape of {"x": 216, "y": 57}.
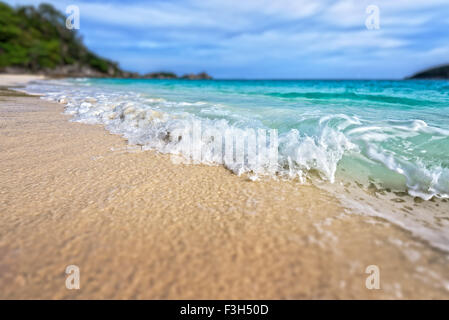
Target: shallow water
{"x": 388, "y": 136}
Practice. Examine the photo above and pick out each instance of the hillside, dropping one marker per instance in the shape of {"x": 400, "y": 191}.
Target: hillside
{"x": 35, "y": 40}
{"x": 440, "y": 72}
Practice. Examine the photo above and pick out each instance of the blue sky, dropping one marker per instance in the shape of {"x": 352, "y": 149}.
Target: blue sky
{"x": 267, "y": 38}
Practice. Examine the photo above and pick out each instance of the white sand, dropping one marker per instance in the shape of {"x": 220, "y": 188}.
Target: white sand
{"x": 17, "y": 79}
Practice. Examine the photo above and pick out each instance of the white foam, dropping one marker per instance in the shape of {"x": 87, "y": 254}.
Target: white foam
{"x": 149, "y": 121}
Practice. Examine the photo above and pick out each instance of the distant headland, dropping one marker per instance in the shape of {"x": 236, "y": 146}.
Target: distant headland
{"x": 36, "y": 41}
{"x": 439, "y": 72}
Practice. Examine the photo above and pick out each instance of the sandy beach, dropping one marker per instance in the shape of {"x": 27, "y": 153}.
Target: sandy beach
{"x": 141, "y": 227}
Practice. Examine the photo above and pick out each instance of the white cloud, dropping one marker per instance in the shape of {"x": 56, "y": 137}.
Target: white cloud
{"x": 284, "y": 34}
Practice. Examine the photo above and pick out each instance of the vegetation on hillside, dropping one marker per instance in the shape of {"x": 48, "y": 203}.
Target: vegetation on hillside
{"x": 37, "y": 40}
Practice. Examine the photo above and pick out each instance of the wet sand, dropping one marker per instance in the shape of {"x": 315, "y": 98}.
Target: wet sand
{"x": 141, "y": 227}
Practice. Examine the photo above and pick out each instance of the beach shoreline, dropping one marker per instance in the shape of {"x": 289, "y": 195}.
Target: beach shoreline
{"x": 139, "y": 226}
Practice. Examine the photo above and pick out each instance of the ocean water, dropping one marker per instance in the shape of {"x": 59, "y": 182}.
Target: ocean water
{"x": 390, "y": 134}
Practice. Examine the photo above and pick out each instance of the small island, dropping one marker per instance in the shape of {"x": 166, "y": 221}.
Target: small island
{"x": 171, "y": 75}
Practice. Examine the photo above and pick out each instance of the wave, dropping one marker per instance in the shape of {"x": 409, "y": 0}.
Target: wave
{"x": 313, "y": 148}
{"x": 351, "y": 96}
{"x": 377, "y": 155}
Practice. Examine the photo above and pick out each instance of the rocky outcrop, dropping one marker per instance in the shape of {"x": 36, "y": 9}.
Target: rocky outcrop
{"x": 171, "y": 75}
{"x": 160, "y": 75}
{"x": 199, "y": 76}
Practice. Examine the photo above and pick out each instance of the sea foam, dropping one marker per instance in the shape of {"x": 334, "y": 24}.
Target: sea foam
{"x": 310, "y": 147}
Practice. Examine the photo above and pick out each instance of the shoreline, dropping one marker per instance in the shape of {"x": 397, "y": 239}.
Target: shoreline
{"x": 139, "y": 226}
